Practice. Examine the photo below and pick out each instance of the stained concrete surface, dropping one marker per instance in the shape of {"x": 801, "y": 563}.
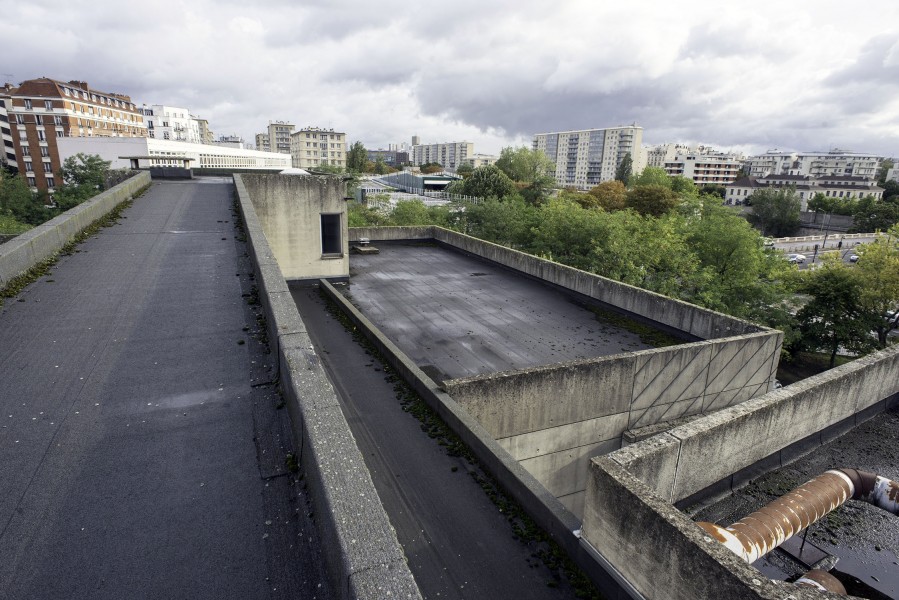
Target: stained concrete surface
{"x": 142, "y": 453}
{"x": 864, "y": 537}
{"x": 457, "y": 542}
{"x": 457, "y": 316}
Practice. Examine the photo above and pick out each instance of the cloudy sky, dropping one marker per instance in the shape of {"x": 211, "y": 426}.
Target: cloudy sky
{"x": 749, "y": 76}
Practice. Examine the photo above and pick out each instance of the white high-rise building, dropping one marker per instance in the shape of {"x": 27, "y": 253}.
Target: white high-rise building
{"x": 587, "y": 157}
{"x": 171, "y": 123}
{"x": 449, "y": 155}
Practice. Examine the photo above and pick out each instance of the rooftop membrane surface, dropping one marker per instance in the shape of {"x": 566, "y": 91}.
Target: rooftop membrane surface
{"x": 458, "y": 316}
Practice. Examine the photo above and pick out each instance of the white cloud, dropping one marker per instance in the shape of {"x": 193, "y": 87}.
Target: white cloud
{"x": 754, "y": 76}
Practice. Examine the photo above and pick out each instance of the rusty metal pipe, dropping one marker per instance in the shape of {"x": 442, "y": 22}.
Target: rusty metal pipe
{"x": 764, "y": 530}
{"x": 822, "y": 581}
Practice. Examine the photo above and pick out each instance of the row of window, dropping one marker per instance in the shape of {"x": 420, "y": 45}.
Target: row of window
{"x": 51, "y": 182}
{"x": 94, "y": 98}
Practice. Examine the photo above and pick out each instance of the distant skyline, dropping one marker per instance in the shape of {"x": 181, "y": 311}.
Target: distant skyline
{"x": 745, "y": 77}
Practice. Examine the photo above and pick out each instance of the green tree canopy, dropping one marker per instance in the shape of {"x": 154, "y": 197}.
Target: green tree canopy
{"x": 18, "y": 203}
{"x": 464, "y": 170}
{"x": 652, "y": 199}
{"x": 356, "y": 157}
{"x": 431, "y": 167}
{"x": 775, "y": 211}
{"x": 651, "y": 176}
{"x": 486, "y": 182}
{"x": 834, "y": 318}
{"x": 625, "y": 170}
{"x": 610, "y": 195}
{"x": 870, "y": 215}
{"x": 878, "y": 273}
{"x": 529, "y": 167}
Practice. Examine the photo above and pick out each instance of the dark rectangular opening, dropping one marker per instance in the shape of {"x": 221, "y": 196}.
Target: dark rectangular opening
{"x": 331, "y": 242}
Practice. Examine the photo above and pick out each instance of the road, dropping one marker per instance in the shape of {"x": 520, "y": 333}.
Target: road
{"x": 142, "y": 453}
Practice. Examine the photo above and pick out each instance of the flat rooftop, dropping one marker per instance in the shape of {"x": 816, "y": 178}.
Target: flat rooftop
{"x": 459, "y": 316}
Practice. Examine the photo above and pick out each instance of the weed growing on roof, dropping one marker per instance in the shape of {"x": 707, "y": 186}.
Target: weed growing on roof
{"x": 523, "y": 527}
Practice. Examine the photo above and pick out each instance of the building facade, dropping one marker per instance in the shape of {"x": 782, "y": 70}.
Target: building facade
{"x": 704, "y": 169}
{"x": 313, "y": 147}
{"x": 279, "y": 133}
{"x": 817, "y": 164}
{"x": 171, "y": 123}
{"x": 449, "y": 155}
{"x": 127, "y": 153}
{"x": 45, "y": 111}
{"x": 587, "y": 157}
{"x": 7, "y": 147}
{"x": 262, "y": 142}
{"x": 206, "y": 135}
{"x": 481, "y": 160}
{"x": 806, "y": 186}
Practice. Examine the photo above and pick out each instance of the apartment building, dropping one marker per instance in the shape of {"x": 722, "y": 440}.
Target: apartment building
{"x": 44, "y": 110}
{"x": 279, "y": 133}
{"x": 263, "y": 144}
{"x": 171, "y": 123}
{"x": 481, "y": 160}
{"x": 848, "y": 187}
{"x": 587, "y": 157}
{"x": 449, "y": 155}
{"x": 7, "y": 147}
{"x": 836, "y": 162}
{"x": 206, "y": 135}
{"x": 704, "y": 169}
{"x": 313, "y": 147}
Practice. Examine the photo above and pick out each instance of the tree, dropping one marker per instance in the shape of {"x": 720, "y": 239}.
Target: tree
{"x": 507, "y": 222}
{"x": 529, "y": 167}
{"x": 651, "y": 176}
{"x": 610, "y": 195}
{"x": 83, "y": 176}
{"x": 651, "y": 199}
{"x": 431, "y": 167}
{"x": 410, "y": 212}
{"x": 871, "y": 215}
{"x": 488, "y": 181}
{"x": 775, "y": 211}
{"x": 684, "y": 187}
{"x": 834, "y": 318}
{"x": 18, "y": 203}
{"x": 356, "y": 158}
{"x": 625, "y": 170}
{"x": 878, "y": 273}
{"x": 464, "y": 170}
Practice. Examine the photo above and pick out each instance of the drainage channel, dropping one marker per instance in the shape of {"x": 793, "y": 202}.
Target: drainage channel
{"x": 458, "y": 541}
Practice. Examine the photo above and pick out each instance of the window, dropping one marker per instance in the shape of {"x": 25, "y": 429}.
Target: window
{"x": 32, "y": 182}
{"x": 20, "y": 119}
{"x": 51, "y": 183}
{"x": 26, "y": 151}
{"x": 331, "y": 242}
{"x": 29, "y": 166}
{"x": 41, "y": 135}
{"x": 45, "y": 151}
{"x": 27, "y": 103}
{"x": 48, "y": 104}
{"x": 57, "y": 120}
{"x": 48, "y": 168}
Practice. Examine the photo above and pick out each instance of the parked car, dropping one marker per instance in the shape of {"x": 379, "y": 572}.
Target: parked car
{"x": 892, "y": 317}
{"x": 796, "y": 258}
{"x": 853, "y": 258}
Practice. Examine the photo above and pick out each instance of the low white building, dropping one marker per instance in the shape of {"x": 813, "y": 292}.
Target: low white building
{"x": 806, "y": 186}
{"x": 125, "y": 153}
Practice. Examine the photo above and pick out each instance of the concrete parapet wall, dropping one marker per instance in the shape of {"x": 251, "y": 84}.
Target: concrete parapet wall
{"x": 676, "y": 463}
{"x": 555, "y": 418}
{"x": 389, "y": 234}
{"x": 289, "y": 209}
{"x": 661, "y": 552}
{"x": 364, "y": 558}
{"x": 25, "y": 251}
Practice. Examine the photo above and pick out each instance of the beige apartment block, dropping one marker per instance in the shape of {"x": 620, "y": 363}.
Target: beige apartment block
{"x": 587, "y": 157}
{"x": 314, "y": 147}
